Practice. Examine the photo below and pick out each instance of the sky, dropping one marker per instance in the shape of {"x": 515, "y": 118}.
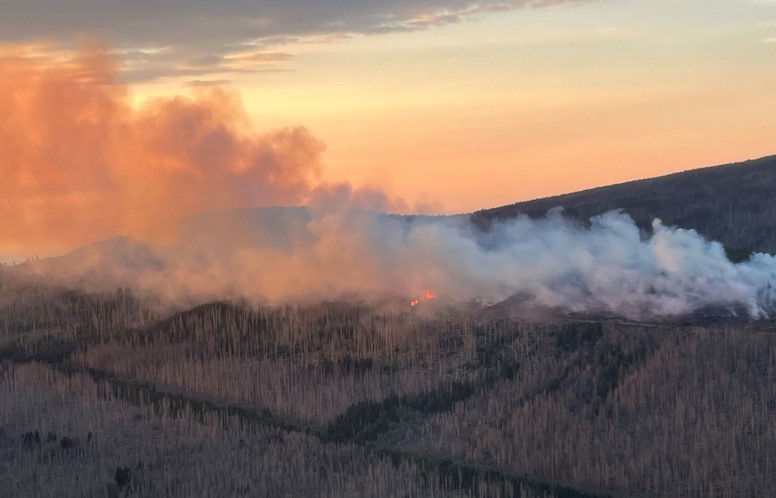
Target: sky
{"x": 437, "y": 106}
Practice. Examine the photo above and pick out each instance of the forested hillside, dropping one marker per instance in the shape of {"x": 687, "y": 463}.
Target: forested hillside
{"x": 108, "y": 395}
{"x": 734, "y": 204}
{"x": 113, "y": 391}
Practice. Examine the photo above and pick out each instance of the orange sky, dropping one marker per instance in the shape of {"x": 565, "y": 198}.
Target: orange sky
{"x": 83, "y": 162}
{"x": 453, "y": 108}
{"x": 533, "y": 102}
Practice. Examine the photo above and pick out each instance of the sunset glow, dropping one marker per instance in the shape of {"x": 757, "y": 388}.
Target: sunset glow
{"x": 383, "y": 248}
{"x": 446, "y": 108}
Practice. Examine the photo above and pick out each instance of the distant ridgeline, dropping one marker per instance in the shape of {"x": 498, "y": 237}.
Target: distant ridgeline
{"x": 734, "y": 204}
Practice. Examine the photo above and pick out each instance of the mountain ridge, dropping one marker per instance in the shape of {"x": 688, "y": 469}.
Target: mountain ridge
{"x": 742, "y": 218}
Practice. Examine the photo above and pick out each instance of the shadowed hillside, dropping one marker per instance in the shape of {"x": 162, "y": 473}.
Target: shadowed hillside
{"x": 734, "y": 204}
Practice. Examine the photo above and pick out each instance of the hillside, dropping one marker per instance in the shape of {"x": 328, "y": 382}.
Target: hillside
{"x": 142, "y": 369}
{"x": 104, "y": 396}
{"x": 734, "y": 204}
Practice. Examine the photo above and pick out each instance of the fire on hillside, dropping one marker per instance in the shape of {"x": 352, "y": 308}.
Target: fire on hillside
{"x": 428, "y": 296}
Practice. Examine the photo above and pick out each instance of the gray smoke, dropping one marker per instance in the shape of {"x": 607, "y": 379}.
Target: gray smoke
{"x": 289, "y": 254}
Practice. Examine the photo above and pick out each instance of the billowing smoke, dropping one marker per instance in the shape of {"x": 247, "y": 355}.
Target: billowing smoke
{"x": 183, "y": 177}
{"x": 282, "y": 254}
{"x": 79, "y": 162}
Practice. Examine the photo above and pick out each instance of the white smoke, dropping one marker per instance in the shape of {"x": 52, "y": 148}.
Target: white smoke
{"x": 283, "y": 254}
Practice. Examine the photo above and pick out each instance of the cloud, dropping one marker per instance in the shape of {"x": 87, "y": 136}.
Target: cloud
{"x": 80, "y": 163}
{"x": 206, "y": 30}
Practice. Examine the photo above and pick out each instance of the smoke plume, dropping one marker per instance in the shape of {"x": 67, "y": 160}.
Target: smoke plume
{"x": 293, "y": 254}
{"x": 182, "y": 178}
{"x": 80, "y": 163}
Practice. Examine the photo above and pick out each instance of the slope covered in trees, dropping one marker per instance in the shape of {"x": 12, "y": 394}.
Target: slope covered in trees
{"x": 105, "y": 393}
{"x": 119, "y": 393}
{"x": 733, "y": 204}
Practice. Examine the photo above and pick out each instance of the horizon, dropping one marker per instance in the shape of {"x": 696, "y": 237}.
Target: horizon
{"x": 448, "y": 107}
{"x": 12, "y": 259}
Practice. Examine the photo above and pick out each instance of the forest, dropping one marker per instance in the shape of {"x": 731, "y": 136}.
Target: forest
{"x": 116, "y": 394}
{"x": 733, "y": 204}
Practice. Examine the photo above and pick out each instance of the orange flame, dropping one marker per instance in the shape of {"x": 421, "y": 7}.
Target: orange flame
{"x": 428, "y": 296}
